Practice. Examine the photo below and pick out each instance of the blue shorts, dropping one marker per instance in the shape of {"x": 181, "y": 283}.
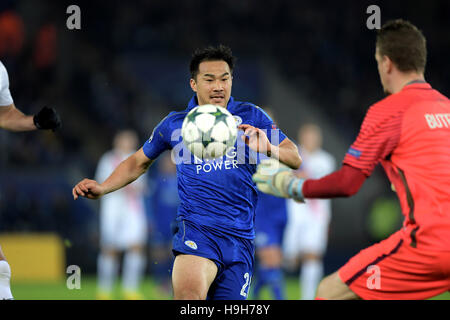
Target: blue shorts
{"x": 233, "y": 256}
{"x": 269, "y": 233}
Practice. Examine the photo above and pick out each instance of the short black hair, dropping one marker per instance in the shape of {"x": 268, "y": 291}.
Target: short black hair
{"x": 211, "y": 53}
{"x": 404, "y": 44}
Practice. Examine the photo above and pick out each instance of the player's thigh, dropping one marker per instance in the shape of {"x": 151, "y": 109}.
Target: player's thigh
{"x": 233, "y": 283}
{"x": 192, "y": 276}
{"x": 234, "y": 279}
{"x": 393, "y": 270}
{"x": 191, "y": 239}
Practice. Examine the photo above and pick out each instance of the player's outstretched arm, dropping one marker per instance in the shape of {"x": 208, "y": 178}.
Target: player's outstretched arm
{"x": 13, "y": 119}
{"x": 274, "y": 178}
{"x": 257, "y": 140}
{"x": 126, "y": 172}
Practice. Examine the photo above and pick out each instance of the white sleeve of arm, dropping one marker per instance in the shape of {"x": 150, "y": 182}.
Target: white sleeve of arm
{"x": 5, "y": 95}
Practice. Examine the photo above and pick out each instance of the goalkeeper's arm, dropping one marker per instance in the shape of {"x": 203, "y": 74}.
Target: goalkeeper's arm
{"x": 278, "y": 180}
{"x": 342, "y": 183}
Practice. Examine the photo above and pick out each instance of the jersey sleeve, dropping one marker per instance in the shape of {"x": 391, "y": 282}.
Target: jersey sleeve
{"x": 159, "y": 141}
{"x": 377, "y": 138}
{"x": 5, "y": 95}
{"x": 344, "y": 182}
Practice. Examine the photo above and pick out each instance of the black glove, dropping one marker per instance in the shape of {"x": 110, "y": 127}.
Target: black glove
{"x": 47, "y": 118}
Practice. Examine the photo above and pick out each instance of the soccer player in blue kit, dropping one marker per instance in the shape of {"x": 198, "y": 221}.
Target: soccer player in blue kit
{"x": 270, "y": 222}
{"x": 164, "y": 203}
{"x": 213, "y": 246}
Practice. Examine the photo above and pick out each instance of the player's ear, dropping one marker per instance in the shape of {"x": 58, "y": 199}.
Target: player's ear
{"x": 387, "y": 64}
{"x": 193, "y": 84}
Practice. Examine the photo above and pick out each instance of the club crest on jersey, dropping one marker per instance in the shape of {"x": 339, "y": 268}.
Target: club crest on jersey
{"x": 238, "y": 120}
{"x": 191, "y": 244}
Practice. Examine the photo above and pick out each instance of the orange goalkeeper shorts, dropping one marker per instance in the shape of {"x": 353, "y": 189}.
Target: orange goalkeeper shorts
{"x": 393, "y": 270}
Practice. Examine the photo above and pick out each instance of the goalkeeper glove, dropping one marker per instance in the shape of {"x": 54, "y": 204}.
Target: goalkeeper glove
{"x": 47, "y": 118}
{"x": 277, "y": 179}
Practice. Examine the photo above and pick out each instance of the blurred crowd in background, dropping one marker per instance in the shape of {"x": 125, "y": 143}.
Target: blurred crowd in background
{"x": 128, "y": 67}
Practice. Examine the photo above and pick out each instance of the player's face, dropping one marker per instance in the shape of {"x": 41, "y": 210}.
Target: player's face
{"x": 126, "y": 142}
{"x": 213, "y": 83}
{"x": 310, "y": 138}
{"x": 382, "y": 71}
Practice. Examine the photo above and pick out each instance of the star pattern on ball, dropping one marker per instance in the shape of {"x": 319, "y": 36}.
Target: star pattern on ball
{"x": 207, "y": 132}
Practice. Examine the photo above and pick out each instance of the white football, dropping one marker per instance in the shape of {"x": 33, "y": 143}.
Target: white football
{"x": 208, "y": 131}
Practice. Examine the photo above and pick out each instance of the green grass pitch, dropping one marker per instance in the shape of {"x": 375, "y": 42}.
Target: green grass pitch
{"x": 149, "y": 289}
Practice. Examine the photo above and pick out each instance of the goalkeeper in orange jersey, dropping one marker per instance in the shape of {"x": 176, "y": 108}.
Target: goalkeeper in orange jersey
{"x": 408, "y": 132}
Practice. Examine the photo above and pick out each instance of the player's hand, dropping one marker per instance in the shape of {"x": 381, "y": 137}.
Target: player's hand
{"x": 87, "y": 188}
{"x": 272, "y": 176}
{"x": 255, "y": 138}
{"x": 47, "y": 118}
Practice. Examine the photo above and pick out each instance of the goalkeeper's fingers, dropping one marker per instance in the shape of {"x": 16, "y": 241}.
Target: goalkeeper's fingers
{"x": 271, "y": 184}
{"x": 260, "y": 178}
{"x": 271, "y": 167}
{"x": 270, "y": 189}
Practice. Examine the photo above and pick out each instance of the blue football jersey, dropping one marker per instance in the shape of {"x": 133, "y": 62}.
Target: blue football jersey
{"x": 216, "y": 193}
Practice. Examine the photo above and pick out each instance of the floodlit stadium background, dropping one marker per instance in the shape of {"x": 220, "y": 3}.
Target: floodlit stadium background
{"x": 128, "y": 67}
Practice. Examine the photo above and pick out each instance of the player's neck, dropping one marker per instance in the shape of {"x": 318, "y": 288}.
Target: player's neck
{"x": 407, "y": 79}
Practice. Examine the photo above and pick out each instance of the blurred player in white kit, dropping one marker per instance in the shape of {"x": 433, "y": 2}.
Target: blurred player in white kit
{"x": 306, "y": 234}
{"x": 123, "y": 225}
{"x": 12, "y": 119}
